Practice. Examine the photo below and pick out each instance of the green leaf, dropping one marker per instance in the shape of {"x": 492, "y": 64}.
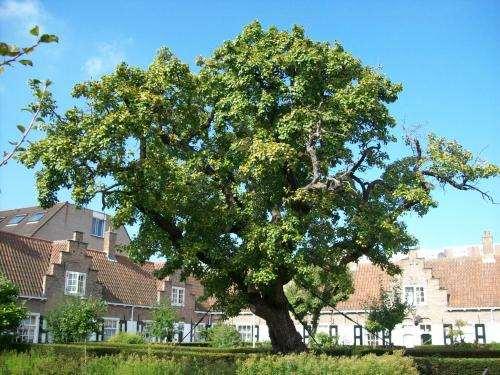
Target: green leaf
{"x": 49, "y": 38}
{"x": 21, "y": 128}
{"x": 26, "y": 62}
{"x": 35, "y": 30}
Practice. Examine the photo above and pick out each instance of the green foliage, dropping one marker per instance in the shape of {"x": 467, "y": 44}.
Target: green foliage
{"x": 12, "y": 53}
{"x": 75, "y": 319}
{"x": 127, "y": 338}
{"x": 11, "y": 312}
{"x": 311, "y": 364}
{"x": 456, "y": 366}
{"x": 46, "y": 364}
{"x": 163, "y": 325}
{"x": 456, "y": 333}
{"x": 281, "y": 139}
{"x": 323, "y": 341}
{"x": 314, "y": 290}
{"x": 223, "y": 336}
{"x": 387, "y": 311}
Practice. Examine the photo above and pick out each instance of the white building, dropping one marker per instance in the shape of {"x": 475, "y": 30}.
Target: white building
{"x": 443, "y": 290}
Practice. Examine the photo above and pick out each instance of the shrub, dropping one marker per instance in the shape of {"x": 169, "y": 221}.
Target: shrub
{"x": 311, "y": 364}
{"x": 127, "y": 338}
{"x": 75, "y": 319}
{"x": 223, "y": 336}
{"x": 17, "y": 363}
{"x": 455, "y": 351}
{"x": 456, "y": 366}
{"x": 11, "y": 312}
{"x": 323, "y": 341}
{"x": 163, "y": 325}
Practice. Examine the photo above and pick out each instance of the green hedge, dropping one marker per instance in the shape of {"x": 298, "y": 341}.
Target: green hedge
{"x": 450, "y": 351}
{"x": 456, "y": 366}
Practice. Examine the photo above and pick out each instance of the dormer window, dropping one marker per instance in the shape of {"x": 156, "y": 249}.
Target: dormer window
{"x": 177, "y": 296}
{"x": 97, "y": 227}
{"x": 14, "y": 220}
{"x": 415, "y": 295}
{"x": 75, "y": 283}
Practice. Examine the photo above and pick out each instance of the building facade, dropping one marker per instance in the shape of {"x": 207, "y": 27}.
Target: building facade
{"x": 456, "y": 286}
{"x": 48, "y": 271}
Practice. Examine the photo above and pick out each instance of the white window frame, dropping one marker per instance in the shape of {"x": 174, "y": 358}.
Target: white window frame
{"x": 372, "y": 339}
{"x": 418, "y": 295}
{"x": 75, "y": 289}
{"x": 103, "y": 228}
{"x": 115, "y": 329}
{"x": 176, "y": 299}
{"x": 246, "y": 332}
{"x": 29, "y": 332}
{"x": 30, "y": 220}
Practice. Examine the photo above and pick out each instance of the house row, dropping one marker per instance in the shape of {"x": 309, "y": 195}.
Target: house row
{"x": 458, "y": 285}
{"x": 73, "y": 251}
{"x": 47, "y": 267}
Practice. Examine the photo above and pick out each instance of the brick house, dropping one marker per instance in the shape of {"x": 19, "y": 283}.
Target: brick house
{"x": 47, "y": 271}
{"x": 461, "y": 284}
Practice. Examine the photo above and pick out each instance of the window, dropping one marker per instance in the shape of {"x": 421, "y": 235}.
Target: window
{"x": 177, "y": 296}
{"x": 426, "y": 338}
{"x": 415, "y": 295}
{"x": 358, "y": 335}
{"x": 16, "y": 219}
{"x": 480, "y": 334}
{"x": 97, "y": 227}
{"x": 36, "y": 217}
{"x": 27, "y": 331}
{"x": 386, "y": 337}
{"x": 245, "y": 333}
{"x": 110, "y": 327}
{"x": 448, "y": 339}
{"x": 419, "y": 295}
{"x": 75, "y": 283}
{"x": 372, "y": 338}
{"x": 334, "y": 331}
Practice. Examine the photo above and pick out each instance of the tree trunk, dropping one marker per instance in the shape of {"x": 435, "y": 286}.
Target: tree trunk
{"x": 284, "y": 337}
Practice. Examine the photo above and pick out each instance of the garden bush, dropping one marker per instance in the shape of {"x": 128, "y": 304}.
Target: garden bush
{"x": 26, "y": 364}
{"x": 311, "y": 364}
{"x": 223, "y": 336}
{"x": 127, "y": 338}
{"x": 456, "y": 366}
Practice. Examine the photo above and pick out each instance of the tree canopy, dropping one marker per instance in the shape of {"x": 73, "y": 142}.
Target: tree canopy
{"x": 269, "y": 160}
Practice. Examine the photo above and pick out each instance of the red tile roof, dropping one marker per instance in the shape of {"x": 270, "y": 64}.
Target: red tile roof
{"x": 24, "y": 261}
{"x": 124, "y": 281}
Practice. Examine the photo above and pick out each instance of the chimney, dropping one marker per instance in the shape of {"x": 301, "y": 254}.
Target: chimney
{"x": 488, "y": 251}
{"x": 78, "y": 236}
{"x": 109, "y": 244}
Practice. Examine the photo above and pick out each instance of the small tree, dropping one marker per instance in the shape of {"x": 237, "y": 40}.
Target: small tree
{"x": 75, "y": 319}
{"x": 456, "y": 334}
{"x": 317, "y": 290}
{"x": 387, "y": 311}
{"x": 11, "y": 312}
{"x": 164, "y": 319}
{"x": 223, "y": 336}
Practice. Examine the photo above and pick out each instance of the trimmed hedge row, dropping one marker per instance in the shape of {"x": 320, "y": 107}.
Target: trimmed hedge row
{"x": 456, "y": 366}
{"x": 454, "y": 351}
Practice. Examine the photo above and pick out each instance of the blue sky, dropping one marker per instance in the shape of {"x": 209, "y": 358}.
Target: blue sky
{"x": 445, "y": 53}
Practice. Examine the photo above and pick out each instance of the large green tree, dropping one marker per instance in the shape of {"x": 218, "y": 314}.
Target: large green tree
{"x": 269, "y": 160}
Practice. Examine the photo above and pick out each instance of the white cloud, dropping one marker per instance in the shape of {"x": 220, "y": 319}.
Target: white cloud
{"x": 23, "y": 14}
{"x": 105, "y": 60}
